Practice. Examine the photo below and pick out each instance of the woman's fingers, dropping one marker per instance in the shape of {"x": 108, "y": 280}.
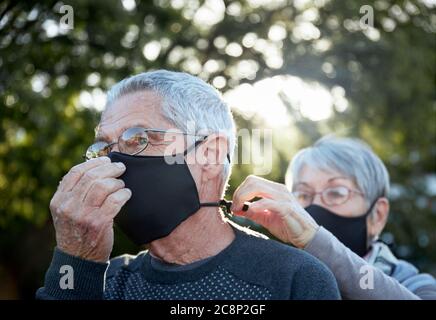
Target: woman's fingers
{"x": 254, "y": 186}
{"x": 260, "y": 211}
{"x": 282, "y": 215}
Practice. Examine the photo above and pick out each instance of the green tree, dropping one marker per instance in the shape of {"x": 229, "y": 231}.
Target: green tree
{"x": 48, "y": 77}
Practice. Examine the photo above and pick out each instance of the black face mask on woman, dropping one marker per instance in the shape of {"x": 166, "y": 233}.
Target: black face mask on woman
{"x": 163, "y": 195}
{"x": 351, "y": 231}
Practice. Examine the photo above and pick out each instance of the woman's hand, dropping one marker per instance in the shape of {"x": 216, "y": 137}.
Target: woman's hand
{"x": 278, "y": 210}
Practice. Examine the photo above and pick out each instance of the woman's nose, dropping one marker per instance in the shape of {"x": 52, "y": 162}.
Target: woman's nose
{"x": 317, "y": 200}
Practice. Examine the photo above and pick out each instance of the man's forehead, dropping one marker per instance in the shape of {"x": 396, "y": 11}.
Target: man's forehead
{"x": 145, "y": 102}
{"x": 137, "y": 109}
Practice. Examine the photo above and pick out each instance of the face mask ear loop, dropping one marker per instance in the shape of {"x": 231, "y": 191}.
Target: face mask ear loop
{"x": 195, "y": 145}
{"x": 371, "y": 207}
{"x": 224, "y": 204}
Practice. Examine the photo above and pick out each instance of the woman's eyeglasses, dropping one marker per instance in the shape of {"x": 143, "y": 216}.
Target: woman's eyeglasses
{"x": 331, "y": 196}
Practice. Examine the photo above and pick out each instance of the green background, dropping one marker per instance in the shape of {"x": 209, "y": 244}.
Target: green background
{"x": 389, "y": 82}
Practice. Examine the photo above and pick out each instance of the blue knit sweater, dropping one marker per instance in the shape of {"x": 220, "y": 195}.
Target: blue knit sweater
{"x": 250, "y": 268}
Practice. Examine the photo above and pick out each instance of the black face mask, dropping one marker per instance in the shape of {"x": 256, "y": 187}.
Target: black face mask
{"x": 352, "y": 232}
{"x": 163, "y": 195}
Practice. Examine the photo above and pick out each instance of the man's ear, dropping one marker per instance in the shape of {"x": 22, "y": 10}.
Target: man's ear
{"x": 213, "y": 154}
{"x": 378, "y": 218}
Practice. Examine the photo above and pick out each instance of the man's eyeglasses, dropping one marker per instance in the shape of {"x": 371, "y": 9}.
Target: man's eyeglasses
{"x": 332, "y": 196}
{"x": 135, "y": 140}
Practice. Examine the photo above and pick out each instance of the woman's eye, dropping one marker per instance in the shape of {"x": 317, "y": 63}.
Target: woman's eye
{"x": 303, "y": 196}
{"x": 337, "y": 193}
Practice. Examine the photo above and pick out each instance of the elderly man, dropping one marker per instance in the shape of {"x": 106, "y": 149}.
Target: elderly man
{"x": 170, "y": 138}
{"x": 342, "y": 185}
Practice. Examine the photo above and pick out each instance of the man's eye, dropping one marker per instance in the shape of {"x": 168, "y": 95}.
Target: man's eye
{"x": 160, "y": 138}
{"x": 153, "y": 137}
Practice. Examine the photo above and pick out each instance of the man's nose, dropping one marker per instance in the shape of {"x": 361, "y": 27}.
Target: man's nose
{"x": 115, "y": 147}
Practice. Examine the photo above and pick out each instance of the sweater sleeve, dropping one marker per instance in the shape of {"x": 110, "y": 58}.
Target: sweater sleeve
{"x": 73, "y": 278}
{"x": 356, "y": 278}
{"x": 427, "y": 292}
{"x": 314, "y": 281}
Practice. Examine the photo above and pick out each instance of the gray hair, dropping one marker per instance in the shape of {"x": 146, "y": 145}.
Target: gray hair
{"x": 348, "y": 156}
{"x": 186, "y": 101}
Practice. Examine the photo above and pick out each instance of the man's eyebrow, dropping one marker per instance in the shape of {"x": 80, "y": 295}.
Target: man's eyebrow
{"x": 99, "y": 136}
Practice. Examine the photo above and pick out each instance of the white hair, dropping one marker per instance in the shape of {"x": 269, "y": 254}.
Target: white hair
{"x": 186, "y": 101}
{"x": 348, "y": 156}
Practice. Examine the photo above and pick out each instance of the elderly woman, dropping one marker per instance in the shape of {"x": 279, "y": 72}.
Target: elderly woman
{"x": 336, "y": 212}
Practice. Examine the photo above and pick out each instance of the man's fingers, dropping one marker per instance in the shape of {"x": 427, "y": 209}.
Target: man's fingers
{"x": 109, "y": 170}
{"x": 114, "y": 202}
{"x": 73, "y": 176}
{"x": 100, "y": 189}
{"x": 55, "y": 201}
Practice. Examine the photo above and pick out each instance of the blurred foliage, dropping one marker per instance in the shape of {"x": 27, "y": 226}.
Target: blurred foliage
{"x": 49, "y": 78}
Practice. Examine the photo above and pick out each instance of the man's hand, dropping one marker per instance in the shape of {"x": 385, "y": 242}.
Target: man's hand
{"x": 278, "y": 210}
{"x": 84, "y": 206}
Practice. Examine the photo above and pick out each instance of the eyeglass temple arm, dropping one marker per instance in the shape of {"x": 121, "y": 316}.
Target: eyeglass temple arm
{"x": 198, "y": 142}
